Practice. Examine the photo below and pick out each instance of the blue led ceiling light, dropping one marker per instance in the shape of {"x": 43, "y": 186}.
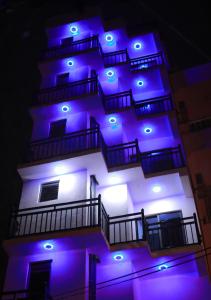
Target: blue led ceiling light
{"x": 118, "y": 257}
{"x": 65, "y": 108}
{"x": 109, "y": 37}
{"x": 162, "y": 267}
{"x": 112, "y": 120}
{"x": 74, "y": 29}
{"x": 48, "y": 246}
{"x": 140, "y": 83}
{"x": 70, "y": 63}
{"x": 110, "y": 73}
{"x": 156, "y": 189}
{"x": 147, "y": 130}
{"x": 137, "y": 46}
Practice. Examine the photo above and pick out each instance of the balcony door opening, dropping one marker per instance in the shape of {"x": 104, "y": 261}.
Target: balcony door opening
{"x": 165, "y": 230}
{"x": 58, "y": 128}
{"x": 39, "y": 279}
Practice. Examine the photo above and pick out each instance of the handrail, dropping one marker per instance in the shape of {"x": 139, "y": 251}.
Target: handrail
{"x": 145, "y": 57}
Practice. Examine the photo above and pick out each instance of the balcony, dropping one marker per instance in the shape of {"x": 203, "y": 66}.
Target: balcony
{"x": 74, "y": 143}
{"x": 68, "y": 91}
{"x": 77, "y": 215}
{"x": 115, "y": 58}
{"x": 72, "y": 48}
{"x": 162, "y": 160}
{"x": 146, "y": 62}
{"x": 90, "y": 213}
{"x": 122, "y": 155}
{"x": 173, "y": 233}
{"x": 153, "y": 106}
{"x": 117, "y": 102}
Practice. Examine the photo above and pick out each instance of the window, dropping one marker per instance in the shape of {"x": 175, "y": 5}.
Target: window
{"x": 57, "y": 128}
{"x": 62, "y": 79}
{"x": 67, "y": 41}
{"x": 49, "y": 191}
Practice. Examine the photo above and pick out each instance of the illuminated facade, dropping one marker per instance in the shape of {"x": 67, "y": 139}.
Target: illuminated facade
{"x": 105, "y": 187}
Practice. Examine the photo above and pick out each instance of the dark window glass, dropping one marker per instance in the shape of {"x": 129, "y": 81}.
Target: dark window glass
{"x": 49, "y": 191}
{"x": 57, "y": 128}
{"x": 62, "y": 79}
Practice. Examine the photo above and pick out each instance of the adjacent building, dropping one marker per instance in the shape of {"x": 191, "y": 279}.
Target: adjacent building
{"x": 106, "y": 193}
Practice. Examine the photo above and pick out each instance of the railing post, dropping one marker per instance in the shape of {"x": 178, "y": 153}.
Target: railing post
{"x": 197, "y": 228}
{"x": 137, "y": 150}
{"x": 181, "y": 155}
{"x": 143, "y": 224}
{"x": 99, "y": 210}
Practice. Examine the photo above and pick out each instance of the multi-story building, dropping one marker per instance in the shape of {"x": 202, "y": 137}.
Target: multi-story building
{"x": 106, "y": 195}
{"x": 192, "y": 91}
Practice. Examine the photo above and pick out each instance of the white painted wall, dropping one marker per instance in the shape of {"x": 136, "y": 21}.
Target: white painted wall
{"x": 72, "y": 187}
{"x": 185, "y": 204}
{"x": 115, "y": 199}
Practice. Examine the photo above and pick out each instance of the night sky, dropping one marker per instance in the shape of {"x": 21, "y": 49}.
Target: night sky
{"x": 184, "y": 27}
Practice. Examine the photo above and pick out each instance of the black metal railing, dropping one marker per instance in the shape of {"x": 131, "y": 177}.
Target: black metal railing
{"x": 153, "y": 106}
{"x": 173, "y": 233}
{"x": 122, "y": 154}
{"x": 68, "y": 91}
{"x": 58, "y": 217}
{"x": 78, "y": 141}
{"x": 83, "y": 45}
{"x": 162, "y": 160}
{"x": 146, "y": 62}
{"x": 117, "y": 102}
{"x": 126, "y": 228}
{"x": 115, "y": 58}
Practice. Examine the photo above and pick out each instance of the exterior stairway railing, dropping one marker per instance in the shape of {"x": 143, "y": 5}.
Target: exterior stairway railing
{"x": 74, "y": 47}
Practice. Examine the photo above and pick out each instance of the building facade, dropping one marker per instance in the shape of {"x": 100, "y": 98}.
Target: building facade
{"x": 106, "y": 194}
{"x": 192, "y": 91}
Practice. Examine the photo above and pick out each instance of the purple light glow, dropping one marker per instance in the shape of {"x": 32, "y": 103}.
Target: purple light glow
{"x": 112, "y": 120}
{"x": 139, "y": 83}
{"x": 156, "y": 189}
{"x": 137, "y": 46}
{"x": 162, "y": 267}
{"x": 147, "y": 130}
{"x": 110, "y": 41}
{"x": 74, "y": 30}
{"x": 66, "y": 108}
{"x": 70, "y": 63}
{"x": 48, "y": 246}
{"x": 118, "y": 257}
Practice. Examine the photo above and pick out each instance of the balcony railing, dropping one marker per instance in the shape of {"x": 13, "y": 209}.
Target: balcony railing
{"x": 153, "y": 106}
{"x": 173, "y": 233}
{"x": 146, "y": 62}
{"x": 68, "y": 91}
{"x": 122, "y": 154}
{"x": 162, "y": 160}
{"x": 117, "y": 102}
{"x": 127, "y": 228}
{"x": 83, "y": 45}
{"x": 78, "y": 141}
{"x": 87, "y": 213}
{"x": 115, "y": 58}
{"x": 59, "y": 217}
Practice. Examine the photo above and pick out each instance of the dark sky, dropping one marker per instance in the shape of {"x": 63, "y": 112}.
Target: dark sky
{"x": 184, "y": 27}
